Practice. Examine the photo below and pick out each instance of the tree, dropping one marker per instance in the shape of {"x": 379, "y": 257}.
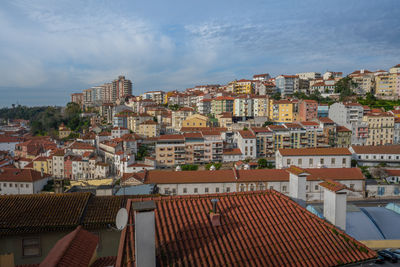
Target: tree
{"x": 189, "y": 167}
{"x": 277, "y": 96}
{"x": 379, "y": 172}
{"x": 262, "y": 163}
{"x": 345, "y": 87}
{"x": 268, "y": 123}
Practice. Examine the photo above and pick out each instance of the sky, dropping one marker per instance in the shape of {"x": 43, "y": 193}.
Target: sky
{"x": 50, "y": 49}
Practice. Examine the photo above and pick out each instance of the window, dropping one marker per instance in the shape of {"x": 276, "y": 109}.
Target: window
{"x": 166, "y": 191}
{"x": 352, "y": 186}
{"x": 10, "y": 184}
{"x": 228, "y": 189}
{"x": 31, "y": 247}
{"x": 321, "y": 161}
{"x": 206, "y": 190}
{"x": 316, "y": 187}
{"x": 217, "y": 190}
{"x": 306, "y": 187}
{"x": 333, "y": 161}
{"x": 271, "y": 187}
{"x": 185, "y": 190}
{"x": 251, "y": 187}
{"x": 344, "y": 161}
{"x": 284, "y": 188}
{"x": 288, "y": 161}
{"x": 242, "y": 188}
{"x": 311, "y": 161}
{"x": 195, "y": 190}
{"x": 173, "y": 191}
{"x": 4, "y": 184}
{"x": 299, "y": 161}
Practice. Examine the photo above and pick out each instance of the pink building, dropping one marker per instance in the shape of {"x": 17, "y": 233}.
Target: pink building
{"x": 308, "y": 110}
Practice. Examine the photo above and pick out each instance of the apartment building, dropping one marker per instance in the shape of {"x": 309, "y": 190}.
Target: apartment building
{"x": 213, "y": 146}
{"x": 178, "y": 116}
{"x": 204, "y": 106}
{"x": 364, "y": 80}
{"x": 243, "y": 106}
{"x": 349, "y": 115}
{"x": 343, "y": 137}
{"x": 313, "y": 158}
{"x": 309, "y": 75}
{"x": 194, "y": 148}
{"x": 149, "y": 128}
{"x": 380, "y": 128}
{"x": 264, "y": 142}
{"x": 121, "y": 88}
{"x": 242, "y": 86}
{"x": 287, "y": 84}
{"x": 308, "y": 110}
{"x": 225, "y": 120}
{"x": 260, "y": 106}
{"x": 261, "y": 77}
{"x": 196, "y": 120}
{"x": 156, "y": 96}
{"x": 77, "y": 98}
{"x": 282, "y": 111}
{"x": 222, "y": 104}
{"x": 246, "y": 142}
{"x": 170, "y": 150}
{"x": 387, "y": 85}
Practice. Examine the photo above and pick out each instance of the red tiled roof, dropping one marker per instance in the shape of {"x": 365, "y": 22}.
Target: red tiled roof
{"x": 229, "y": 176}
{"x": 393, "y": 172}
{"x": 313, "y": 151}
{"x": 333, "y": 186}
{"x": 260, "y": 130}
{"x": 32, "y": 213}
{"x": 81, "y": 145}
{"x": 342, "y": 129}
{"x": 296, "y": 170}
{"x": 75, "y": 249}
{"x": 262, "y": 228}
{"x": 387, "y": 149}
{"x": 247, "y": 134}
{"x": 171, "y": 137}
{"x": 20, "y": 175}
{"x": 104, "y": 262}
{"x": 232, "y": 151}
{"x": 325, "y": 120}
{"x": 309, "y": 123}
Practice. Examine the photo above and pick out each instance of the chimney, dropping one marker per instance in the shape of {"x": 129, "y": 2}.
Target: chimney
{"x": 297, "y": 183}
{"x": 215, "y": 216}
{"x": 335, "y": 202}
{"x": 145, "y": 233}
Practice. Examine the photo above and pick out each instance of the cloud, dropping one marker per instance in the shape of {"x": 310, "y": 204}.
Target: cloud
{"x": 66, "y": 46}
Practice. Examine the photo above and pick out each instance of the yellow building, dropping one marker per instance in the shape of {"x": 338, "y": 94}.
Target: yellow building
{"x": 196, "y": 120}
{"x": 225, "y": 120}
{"x": 385, "y": 84}
{"x": 149, "y": 128}
{"x": 242, "y": 87}
{"x": 380, "y": 128}
{"x": 63, "y": 131}
{"x": 282, "y": 111}
{"x": 41, "y": 163}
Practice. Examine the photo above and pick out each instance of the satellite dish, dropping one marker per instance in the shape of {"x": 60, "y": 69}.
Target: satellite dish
{"x": 122, "y": 219}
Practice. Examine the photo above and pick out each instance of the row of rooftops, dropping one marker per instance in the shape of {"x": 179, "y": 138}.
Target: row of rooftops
{"x": 237, "y": 176}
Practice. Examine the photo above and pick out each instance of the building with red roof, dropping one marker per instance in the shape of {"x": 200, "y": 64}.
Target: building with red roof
{"x": 263, "y": 228}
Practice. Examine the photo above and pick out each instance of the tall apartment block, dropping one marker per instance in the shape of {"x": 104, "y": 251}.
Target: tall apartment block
{"x": 121, "y": 88}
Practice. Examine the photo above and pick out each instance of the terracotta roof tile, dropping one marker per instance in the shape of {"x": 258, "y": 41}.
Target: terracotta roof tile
{"x": 262, "y": 228}
{"x": 314, "y": 151}
{"x": 228, "y": 176}
{"x": 387, "y": 149}
{"x": 32, "y": 213}
{"x": 75, "y": 249}
{"x": 232, "y": 151}
{"x": 296, "y": 170}
{"x": 333, "y": 186}
{"x": 20, "y": 175}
